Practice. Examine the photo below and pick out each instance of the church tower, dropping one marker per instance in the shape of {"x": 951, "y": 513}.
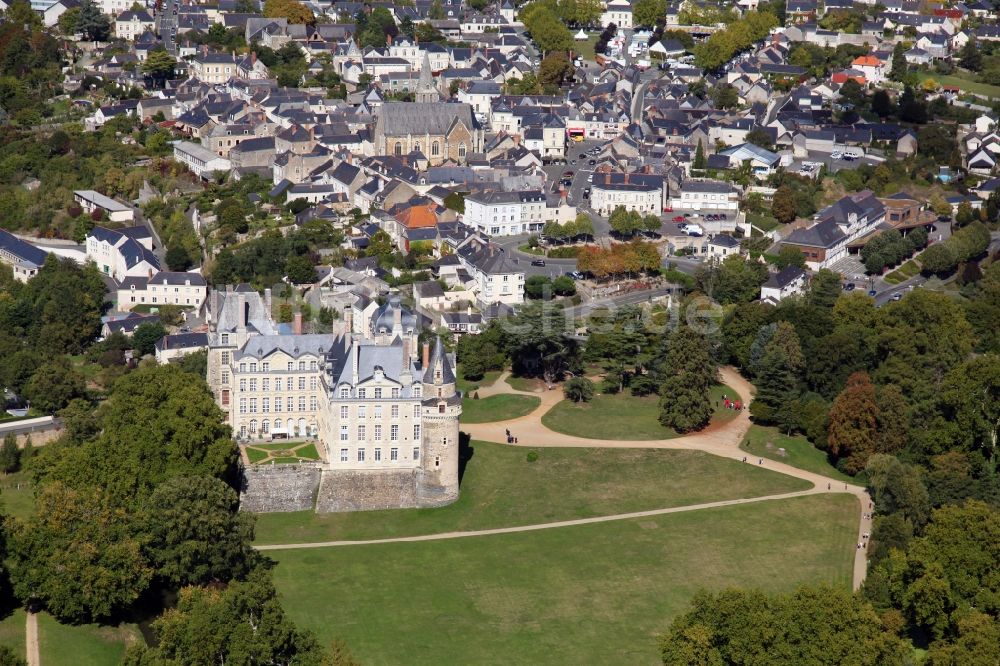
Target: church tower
{"x": 442, "y": 407}
{"x": 426, "y": 91}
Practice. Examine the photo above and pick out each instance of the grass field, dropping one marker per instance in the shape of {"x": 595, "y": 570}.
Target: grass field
{"x": 526, "y": 384}
{"x": 964, "y": 83}
{"x": 763, "y": 222}
{"x": 798, "y": 451}
{"x": 501, "y": 407}
{"x": 501, "y": 489}
{"x": 64, "y": 645}
{"x": 592, "y": 594}
{"x": 12, "y": 631}
{"x": 17, "y": 495}
{"x": 466, "y": 386}
{"x": 904, "y": 272}
{"x": 585, "y": 49}
{"x": 620, "y": 416}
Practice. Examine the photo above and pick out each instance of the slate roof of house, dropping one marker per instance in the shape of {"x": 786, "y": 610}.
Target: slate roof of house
{"x": 182, "y": 341}
{"x": 23, "y": 250}
{"x": 435, "y": 118}
{"x": 824, "y": 234}
{"x": 784, "y": 277}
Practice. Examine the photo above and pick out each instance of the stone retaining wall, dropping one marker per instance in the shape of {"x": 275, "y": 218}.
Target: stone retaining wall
{"x": 278, "y": 488}
{"x": 367, "y": 490}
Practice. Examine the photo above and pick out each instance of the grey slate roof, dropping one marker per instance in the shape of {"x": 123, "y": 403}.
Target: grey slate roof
{"x": 436, "y": 118}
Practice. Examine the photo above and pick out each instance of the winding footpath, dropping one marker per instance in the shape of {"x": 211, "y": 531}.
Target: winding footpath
{"x": 31, "y": 639}
{"x": 721, "y": 440}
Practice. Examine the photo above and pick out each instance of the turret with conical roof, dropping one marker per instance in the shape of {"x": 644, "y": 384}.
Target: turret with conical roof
{"x": 442, "y": 408}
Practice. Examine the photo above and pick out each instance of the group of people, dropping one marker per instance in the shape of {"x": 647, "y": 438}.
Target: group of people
{"x": 510, "y": 439}
{"x": 731, "y": 404}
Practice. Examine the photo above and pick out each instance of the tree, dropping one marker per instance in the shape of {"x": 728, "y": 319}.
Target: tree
{"x": 760, "y": 137}
{"x": 648, "y": 13}
{"x": 853, "y": 423}
{"x": 689, "y": 373}
{"x": 970, "y": 57}
{"x": 178, "y": 258}
{"x": 293, "y": 10}
{"x": 436, "y": 12}
{"x": 539, "y": 342}
{"x": 789, "y": 255}
{"x": 724, "y": 96}
{"x": 548, "y": 31}
{"x": 146, "y": 336}
{"x": 969, "y": 403}
{"x": 68, "y": 20}
{"x": 159, "y": 65}
{"x": 821, "y": 625}
{"x": 564, "y": 286}
{"x": 54, "y": 385}
{"x": 240, "y": 624}
{"x": 882, "y": 104}
{"x": 77, "y": 555}
{"x": 155, "y": 425}
{"x": 92, "y": 23}
{"x": 299, "y": 270}
{"x": 898, "y": 488}
{"x": 911, "y": 109}
{"x": 10, "y": 455}
{"x": 777, "y": 361}
{"x": 555, "y": 68}
{"x": 783, "y": 204}
{"x": 699, "y": 157}
{"x": 379, "y": 245}
{"x": 538, "y": 287}
{"x": 579, "y": 389}
{"x": 195, "y": 532}
{"x": 899, "y": 67}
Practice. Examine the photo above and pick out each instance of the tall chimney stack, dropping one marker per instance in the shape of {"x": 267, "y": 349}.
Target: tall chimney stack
{"x": 427, "y": 356}
{"x": 297, "y": 323}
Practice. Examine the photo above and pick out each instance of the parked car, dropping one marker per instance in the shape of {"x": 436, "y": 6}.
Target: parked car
{"x": 898, "y": 296}
{"x": 576, "y": 275}
{"x": 679, "y": 218}
{"x": 668, "y": 209}
{"x": 586, "y": 193}
{"x": 592, "y": 162}
{"x": 850, "y": 286}
{"x": 537, "y": 262}
{"x": 836, "y": 155}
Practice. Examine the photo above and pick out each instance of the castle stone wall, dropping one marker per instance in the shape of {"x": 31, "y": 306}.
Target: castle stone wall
{"x": 367, "y": 490}
{"x": 279, "y": 488}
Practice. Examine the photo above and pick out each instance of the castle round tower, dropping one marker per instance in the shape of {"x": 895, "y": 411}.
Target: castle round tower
{"x": 442, "y": 407}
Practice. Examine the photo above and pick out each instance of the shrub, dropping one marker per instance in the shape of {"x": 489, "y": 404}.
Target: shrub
{"x": 532, "y": 456}
{"x": 579, "y": 389}
{"x": 475, "y": 396}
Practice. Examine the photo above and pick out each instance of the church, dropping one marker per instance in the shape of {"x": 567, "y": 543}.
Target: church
{"x": 439, "y": 131}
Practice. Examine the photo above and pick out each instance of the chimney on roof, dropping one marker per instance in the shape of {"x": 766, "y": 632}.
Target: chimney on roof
{"x": 388, "y": 40}
{"x": 267, "y": 299}
{"x": 517, "y": 139}
{"x": 297, "y": 324}
{"x": 562, "y": 195}
{"x": 607, "y": 178}
{"x": 426, "y": 361}
{"x": 356, "y": 358}
{"x": 204, "y": 49}
{"x": 626, "y": 177}
{"x": 349, "y": 318}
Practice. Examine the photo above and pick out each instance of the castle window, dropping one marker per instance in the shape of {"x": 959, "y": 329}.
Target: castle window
{"x": 291, "y": 366}
{"x": 302, "y": 365}
{"x": 437, "y": 461}
{"x": 277, "y": 423}
{"x": 444, "y": 441}
{"x": 243, "y": 385}
{"x": 361, "y": 433}
{"x": 416, "y": 411}
{"x": 362, "y": 393}
{"x": 225, "y": 397}
{"x": 378, "y": 432}
{"x": 343, "y": 411}
{"x": 416, "y": 432}
{"x": 361, "y": 411}
{"x": 312, "y": 383}
{"x": 394, "y": 433}
{"x": 277, "y": 408}
{"x": 265, "y": 426}
{"x": 290, "y": 384}
{"x": 302, "y": 383}
{"x": 416, "y": 391}
{"x": 312, "y": 365}
{"x": 398, "y": 150}
{"x": 313, "y": 404}
{"x": 344, "y": 434}
{"x": 225, "y": 341}
{"x": 225, "y": 358}
{"x": 253, "y": 405}
{"x": 378, "y": 394}
{"x": 361, "y": 455}
{"x": 265, "y": 367}
{"x": 253, "y": 367}
{"x": 243, "y": 367}
{"x": 378, "y": 455}
{"x": 265, "y": 405}
{"x": 345, "y": 392}
{"x": 395, "y": 411}
{"x": 461, "y": 150}
{"x": 393, "y": 453}
{"x": 395, "y": 393}
{"x": 302, "y": 403}
{"x": 343, "y": 455}
{"x": 378, "y": 411}
{"x": 253, "y": 426}
{"x": 440, "y": 408}
{"x": 253, "y": 384}
{"x": 265, "y": 384}
{"x": 416, "y": 453}
{"x": 435, "y": 149}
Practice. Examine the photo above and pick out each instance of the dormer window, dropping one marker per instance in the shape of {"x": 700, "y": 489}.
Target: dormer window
{"x": 345, "y": 392}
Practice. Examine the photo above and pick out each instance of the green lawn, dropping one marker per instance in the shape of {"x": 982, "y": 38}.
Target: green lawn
{"x": 501, "y": 407}
{"x": 763, "y": 222}
{"x": 963, "y": 82}
{"x": 501, "y": 489}
{"x": 621, "y": 416}
{"x": 798, "y": 451}
{"x": 585, "y": 49}
{"x": 591, "y": 594}
{"x": 283, "y": 452}
{"x": 466, "y": 386}
{"x": 903, "y": 273}
{"x": 16, "y": 495}
{"x": 91, "y": 644}
{"x": 12, "y": 631}
{"x": 530, "y": 384}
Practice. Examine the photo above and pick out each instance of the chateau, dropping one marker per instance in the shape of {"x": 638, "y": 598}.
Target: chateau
{"x": 383, "y": 411}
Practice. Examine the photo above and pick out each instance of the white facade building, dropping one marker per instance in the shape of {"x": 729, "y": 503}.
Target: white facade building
{"x": 187, "y": 290}
{"x": 202, "y": 161}
{"x": 505, "y": 213}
